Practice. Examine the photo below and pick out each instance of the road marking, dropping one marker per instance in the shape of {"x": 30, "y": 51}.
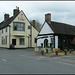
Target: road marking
{"x": 3, "y": 59}
{"x": 65, "y": 63}
{"x": 42, "y": 57}
{"x": 37, "y": 58}
{"x": 22, "y": 55}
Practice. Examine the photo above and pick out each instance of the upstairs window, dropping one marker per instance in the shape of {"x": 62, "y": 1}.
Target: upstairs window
{"x": 19, "y": 26}
{"x": 6, "y": 29}
{"x": 2, "y": 30}
{"x": 29, "y": 27}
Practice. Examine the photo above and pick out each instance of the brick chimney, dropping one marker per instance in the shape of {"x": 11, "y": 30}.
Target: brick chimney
{"x": 34, "y": 23}
{"x": 48, "y": 17}
{"x": 16, "y": 11}
{"x": 6, "y": 16}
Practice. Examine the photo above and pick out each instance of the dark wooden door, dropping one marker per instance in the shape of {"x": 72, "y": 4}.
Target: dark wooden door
{"x": 14, "y": 41}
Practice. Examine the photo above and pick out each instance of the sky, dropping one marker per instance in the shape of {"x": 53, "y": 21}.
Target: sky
{"x": 61, "y": 11}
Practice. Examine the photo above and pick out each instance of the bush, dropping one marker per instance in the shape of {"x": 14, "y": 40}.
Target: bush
{"x": 65, "y": 51}
{"x": 56, "y": 51}
{"x": 42, "y": 52}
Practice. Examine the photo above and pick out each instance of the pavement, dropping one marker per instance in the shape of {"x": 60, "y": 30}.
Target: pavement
{"x": 24, "y": 61}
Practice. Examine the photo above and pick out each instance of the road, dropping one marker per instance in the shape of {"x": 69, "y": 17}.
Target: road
{"x": 24, "y": 61}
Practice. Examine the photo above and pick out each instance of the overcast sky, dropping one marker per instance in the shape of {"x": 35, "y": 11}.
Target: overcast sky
{"x": 63, "y": 11}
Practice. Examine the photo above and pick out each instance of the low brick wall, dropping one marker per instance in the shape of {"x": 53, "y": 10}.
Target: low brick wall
{"x": 49, "y": 49}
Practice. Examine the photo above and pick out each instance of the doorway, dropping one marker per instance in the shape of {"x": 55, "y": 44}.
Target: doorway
{"x": 46, "y": 43}
{"x": 14, "y": 41}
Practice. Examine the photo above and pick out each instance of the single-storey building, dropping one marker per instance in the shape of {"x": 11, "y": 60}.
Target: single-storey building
{"x": 55, "y": 34}
{"x": 17, "y": 30}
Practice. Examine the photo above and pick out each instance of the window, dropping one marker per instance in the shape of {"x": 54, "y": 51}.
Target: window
{"x": 2, "y": 30}
{"x": 35, "y": 40}
{"x": 29, "y": 27}
{"x": 6, "y": 29}
{"x": 5, "y": 39}
{"x": 21, "y": 41}
{"x": 2, "y": 40}
{"x": 19, "y": 26}
{"x": 52, "y": 41}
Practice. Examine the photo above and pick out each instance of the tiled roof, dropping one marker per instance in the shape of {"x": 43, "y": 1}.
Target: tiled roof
{"x": 7, "y": 22}
{"x": 62, "y": 28}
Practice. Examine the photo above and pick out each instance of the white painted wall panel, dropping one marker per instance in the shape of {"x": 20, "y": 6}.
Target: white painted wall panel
{"x": 56, "y": 42}
{"x": 39, "y": 41}
{"x": 46, "y": 29}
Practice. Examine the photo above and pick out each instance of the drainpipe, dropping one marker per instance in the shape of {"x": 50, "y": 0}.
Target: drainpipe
{"x": 31, "y": 36}
{"x": 9, "y": 36}
{"x": 28, "y": 41}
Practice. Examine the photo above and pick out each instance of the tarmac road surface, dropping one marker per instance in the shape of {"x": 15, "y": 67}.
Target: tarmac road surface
{"x": 24, "y": 61}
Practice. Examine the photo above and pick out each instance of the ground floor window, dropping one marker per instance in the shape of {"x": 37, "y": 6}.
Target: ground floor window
{"x": 21, "y": 41}
{"x": 2, "y": 40}
{"x": 5, "y": 39}
{"x": 52, "y": 41}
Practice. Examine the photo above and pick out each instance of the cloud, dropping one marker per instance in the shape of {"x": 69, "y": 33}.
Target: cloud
{"x": 60, "y": 11}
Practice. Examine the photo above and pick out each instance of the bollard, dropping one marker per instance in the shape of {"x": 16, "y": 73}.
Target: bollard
{"x": 56, "y": 51}
{"x": 65, "y": 51}
{"x": 46, "y": 50}
{"x": 69, "y": 50}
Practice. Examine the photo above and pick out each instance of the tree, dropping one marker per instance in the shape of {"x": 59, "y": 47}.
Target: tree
{"x": 37, "y": 24}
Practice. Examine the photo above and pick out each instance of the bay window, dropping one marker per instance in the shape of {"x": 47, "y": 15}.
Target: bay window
{"x": 19, "y": 26}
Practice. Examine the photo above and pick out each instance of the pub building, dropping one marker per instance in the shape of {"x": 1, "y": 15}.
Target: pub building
{"x": 56, "y": 34}
{"x": 17, "y": 30}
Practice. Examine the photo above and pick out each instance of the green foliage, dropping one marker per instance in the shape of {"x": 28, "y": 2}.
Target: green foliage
{"x": 39, "y": 47}
{"x": 65, "y": 50}
{"x": 48, "y": 47}
{"x": 56, "y": 50}
{"x": 42, "y": 51}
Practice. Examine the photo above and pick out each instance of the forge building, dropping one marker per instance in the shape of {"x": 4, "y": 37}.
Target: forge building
{"x": 17, "y": 30}
{"x": 55, "y": 34}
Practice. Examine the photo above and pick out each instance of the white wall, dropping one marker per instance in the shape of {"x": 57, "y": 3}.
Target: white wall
{"x": 39, "y": 41}
{"x": 23, "y": 34}
{"x": 46, "y": 29}
{"x": 56, "y": 41}
{"x": 34, "y": 35}
{"x": 4, "y": 34}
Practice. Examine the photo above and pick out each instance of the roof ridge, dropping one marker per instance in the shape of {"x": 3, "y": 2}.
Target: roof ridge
{"x": 63, "y": 23}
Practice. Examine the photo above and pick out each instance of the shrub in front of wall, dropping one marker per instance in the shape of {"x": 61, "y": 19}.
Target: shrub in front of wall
{"x": 42, "y": 52}
{"x": 70, "y": 50}
{"x": 56, "y": 51}
{"x": 65, "y": 51}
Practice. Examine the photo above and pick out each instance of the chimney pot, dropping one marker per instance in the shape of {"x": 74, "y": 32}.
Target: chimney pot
{"x": 16, "y": 11}
{"x": 34, "y": 23}
{"x": 6, "y": 16}
{"x": 48, "y": 17}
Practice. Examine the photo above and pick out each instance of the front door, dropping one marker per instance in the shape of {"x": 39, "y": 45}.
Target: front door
{"x": 46, "y": 43}
{"x": 14, "y": 41}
